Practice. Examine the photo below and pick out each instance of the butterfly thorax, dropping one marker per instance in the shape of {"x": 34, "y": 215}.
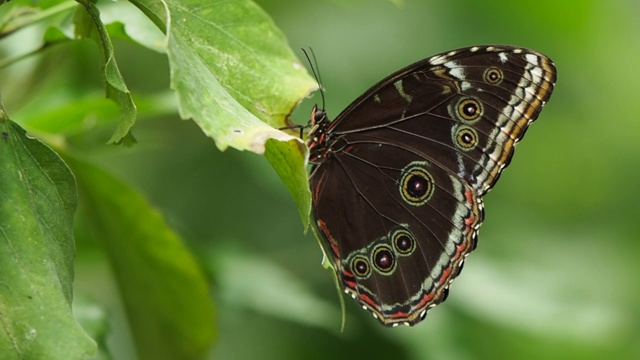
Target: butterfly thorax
{"x": 317, "y": 136}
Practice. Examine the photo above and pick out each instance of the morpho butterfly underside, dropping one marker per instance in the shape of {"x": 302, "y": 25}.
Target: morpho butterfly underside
{"x": 398, "y": 177}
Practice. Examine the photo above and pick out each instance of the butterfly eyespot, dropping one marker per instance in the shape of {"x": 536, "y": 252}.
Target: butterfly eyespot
{"x": 383, "y": 259}
{"x": 469, "y": 110}
{"x": 416, "y": 185}
{"x": 403, "y": 242}
{"x": 493, "y": 76}
{"x": 360, "y": 266}
{"x": 465, "y": 137}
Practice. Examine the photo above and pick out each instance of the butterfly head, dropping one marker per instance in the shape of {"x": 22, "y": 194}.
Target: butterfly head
{"x": 318, "y": 116}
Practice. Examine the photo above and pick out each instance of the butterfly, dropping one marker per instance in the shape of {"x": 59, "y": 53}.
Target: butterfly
{"x": 397, "y": 179}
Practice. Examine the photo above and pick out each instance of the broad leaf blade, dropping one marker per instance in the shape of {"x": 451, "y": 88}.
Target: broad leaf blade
{"x": 233, "y": 71}
{"x": 37, "y": 206}
{"x": 236, "y": 77}
{"x": 164, "y": 291}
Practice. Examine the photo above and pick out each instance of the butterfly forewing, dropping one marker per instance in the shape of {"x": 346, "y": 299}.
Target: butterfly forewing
{"x": 398, "y": 177}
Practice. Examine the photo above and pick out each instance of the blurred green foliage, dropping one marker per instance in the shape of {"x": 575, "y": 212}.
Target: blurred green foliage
{"x": 554, "y": 275}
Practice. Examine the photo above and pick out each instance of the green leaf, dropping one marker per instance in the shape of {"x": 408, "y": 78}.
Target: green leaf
{"x": 236, "y": 77}
{"x": 288, "y": 160}
{"x": 18, "y": 15}
{"x": 95, "y": 321}
{"x": 88, "y": 24}
{"x": 232, "y": 69}
{"x": 233, "y": 72}
{"x": 37, "y": 205}
{"x": 163, "y": 290}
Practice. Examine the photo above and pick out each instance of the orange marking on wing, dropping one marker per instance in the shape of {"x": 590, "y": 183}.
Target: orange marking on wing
{"x": 316, "y": 191}
{"x": 351, "y": 284}
{"x": 425, "y": 300}
{"x": 445, "y": 276}
{"x": 469, "y": 195}
{"x": 347, "y": 273}
{"x": 399, "y": 314}
{"x": 459, "y": 250}
{"x": 468, "y": 222}
{"x": 332, "y": 242}
{"x": 368, "y": 300}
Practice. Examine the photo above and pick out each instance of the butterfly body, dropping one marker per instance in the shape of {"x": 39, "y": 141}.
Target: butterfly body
{"x": 398, "y": 177}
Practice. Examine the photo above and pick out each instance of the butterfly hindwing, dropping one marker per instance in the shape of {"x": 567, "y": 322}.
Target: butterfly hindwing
{"x": 396, "y": 250}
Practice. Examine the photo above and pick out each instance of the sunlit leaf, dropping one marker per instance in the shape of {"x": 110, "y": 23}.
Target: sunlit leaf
{"x": 236, "y": 77}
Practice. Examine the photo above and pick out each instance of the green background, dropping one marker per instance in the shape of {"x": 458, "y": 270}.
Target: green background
{"x": 555, "y": 272}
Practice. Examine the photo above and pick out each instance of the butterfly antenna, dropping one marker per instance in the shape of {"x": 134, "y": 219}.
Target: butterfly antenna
{"x": 315, "y": 69}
